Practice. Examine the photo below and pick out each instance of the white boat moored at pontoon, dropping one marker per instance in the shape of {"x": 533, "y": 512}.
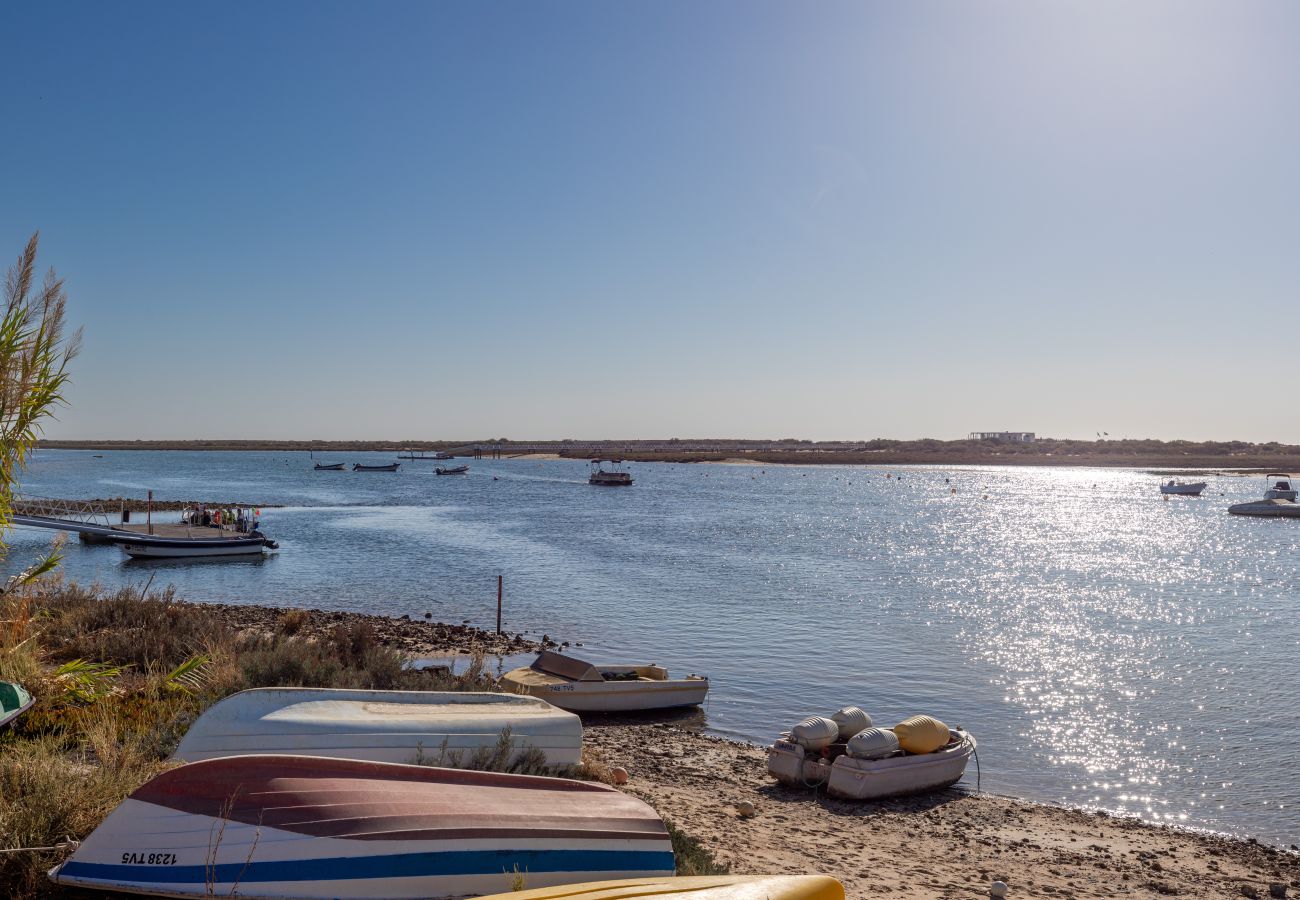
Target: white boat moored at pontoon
{"x": 307, "y": 828}
{"x": 144, "y": 546}
{"x": 583, "y": 687}
{"x": 437, "y": 727}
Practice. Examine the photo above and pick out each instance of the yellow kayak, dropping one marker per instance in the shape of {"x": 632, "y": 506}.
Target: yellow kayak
{"x": 720, "y": 887}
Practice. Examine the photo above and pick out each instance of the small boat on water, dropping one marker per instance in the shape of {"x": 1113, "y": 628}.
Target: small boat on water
{"x": 439, "y": 728}
{"x": 1185, "y": 488}
{"x": 614, "y": 476}
{"x": 443, "y": 454}
{"x": 391, "y": 467}
{"x": 700, "y": 887}
{"x": 1279, "y": 499}
{"x": 582, "y": 687}
{"x": 14, "y": 701}
{"x": 455, "y": 470}
{"x": 146, "y": 546}
{"x": 309, "y": 828}
{"x": 329, "y": 467}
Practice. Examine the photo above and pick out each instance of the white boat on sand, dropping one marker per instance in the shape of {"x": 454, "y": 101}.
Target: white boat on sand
{"x": 582, "y": 687}
{"x": 1279, "y": 499}
{"x": 1185, "y": 488}
{"x": 438, "y": 728}
{"x": 894, "y": 775}
{"x": 313, "y": 829}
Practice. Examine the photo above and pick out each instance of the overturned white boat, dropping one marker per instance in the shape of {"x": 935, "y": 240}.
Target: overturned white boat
{"x": 306, "y": 828}
{"x": 437, "y": 728}
{"x": 583, "y": 687}
{"x": 1279, "y": 499}
{"x": 1183, "y": 488}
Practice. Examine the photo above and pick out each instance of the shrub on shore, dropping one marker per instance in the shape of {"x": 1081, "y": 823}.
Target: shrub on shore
{"x": 118, "y": 678}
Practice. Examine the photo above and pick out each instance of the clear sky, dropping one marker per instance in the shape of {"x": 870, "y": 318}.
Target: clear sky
{"x": 643, "y": 219}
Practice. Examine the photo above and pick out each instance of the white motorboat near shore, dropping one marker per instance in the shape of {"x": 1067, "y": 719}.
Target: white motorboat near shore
{"x": 1183, "y": 488}
{"x": 580, "y": 686}
{"x": 307, "y": 828}
{"x": 1279, "y": 499}
{"x": 440, "y": 728}
{"x": 143, "y": 546}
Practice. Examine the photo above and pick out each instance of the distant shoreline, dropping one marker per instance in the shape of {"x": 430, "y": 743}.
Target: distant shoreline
{"x": 1208, "y": 457}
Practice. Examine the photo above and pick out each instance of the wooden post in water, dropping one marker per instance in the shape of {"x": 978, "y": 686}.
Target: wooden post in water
{"x": 148, "y": 513}
{"x": 500, "y": 579}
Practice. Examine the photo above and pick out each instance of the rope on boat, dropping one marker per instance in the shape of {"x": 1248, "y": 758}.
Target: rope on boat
{"x": 975, "y": 752}
{"x": 66, "y": 844}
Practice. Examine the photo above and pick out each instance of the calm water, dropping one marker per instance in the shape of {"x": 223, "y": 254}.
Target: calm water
{"x": 1107, "y": 648}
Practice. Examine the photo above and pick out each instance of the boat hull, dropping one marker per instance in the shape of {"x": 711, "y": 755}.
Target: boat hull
{"x": 725, "y": 887}
{"x": 14, "y": 701}
{"x": 895, "y": 776}
{"x": 871, "y": 779}
{"x": 175, "y": 549}
{"x": 1277, "y": 509}
{"x": 1188, "y": 490}
{"x": 608, "y": 696}
{"x": 439, "y": 728}
{"x": 311, "y": 828}
{"x": 357, "y": 467}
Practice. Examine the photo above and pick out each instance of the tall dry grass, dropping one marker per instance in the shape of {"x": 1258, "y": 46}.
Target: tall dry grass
{"x": 117, "y": 679}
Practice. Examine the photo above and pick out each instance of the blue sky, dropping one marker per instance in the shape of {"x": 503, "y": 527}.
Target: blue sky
{"x": 829, "y": 220}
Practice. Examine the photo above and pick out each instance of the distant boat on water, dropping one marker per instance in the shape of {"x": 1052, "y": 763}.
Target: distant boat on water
{"x": 455, "y": 470}
{"x": 391, "y": 467}
{"x": 329, "y": 467}
{"x": 611, "y": 477}
{"x": 1189, "y": 489}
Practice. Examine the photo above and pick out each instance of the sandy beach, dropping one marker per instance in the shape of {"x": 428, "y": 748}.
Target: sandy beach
{"x": 945, "y": 845}
{"x": 950, "y": 844}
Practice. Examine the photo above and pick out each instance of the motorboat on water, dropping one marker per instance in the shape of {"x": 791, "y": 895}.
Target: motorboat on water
{"x": 14, "y": 701}
{"x": 1183, "y": 488}
{"x": 443, "y": 454}
{"x": 857, "y": 762}
{"x": 329, "y": 467}
{"x": 391, "y": 467}
{"x": 699, "y": 887}
{"x": 1279, "y": 499}
{"x": 147, "y": 546}
{"x": 577, "y": 685}
{"x": 455, "y": 470}
{"x": 614, "y": 476}
{"x": 311, "y": 828}
{"x": 439, "y": 728}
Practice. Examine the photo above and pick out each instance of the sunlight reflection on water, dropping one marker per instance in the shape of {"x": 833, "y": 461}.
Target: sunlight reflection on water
{"x": 1106, "y": 646}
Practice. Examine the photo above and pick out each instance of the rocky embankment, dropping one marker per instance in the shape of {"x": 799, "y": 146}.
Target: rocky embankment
{"x": 415, "y": 637}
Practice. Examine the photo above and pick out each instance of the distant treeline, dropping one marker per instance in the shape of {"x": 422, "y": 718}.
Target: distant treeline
{"x": 1044, "y": 451}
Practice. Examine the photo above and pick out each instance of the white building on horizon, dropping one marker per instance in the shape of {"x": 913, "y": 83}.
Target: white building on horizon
{"x": 1009, "y": 437}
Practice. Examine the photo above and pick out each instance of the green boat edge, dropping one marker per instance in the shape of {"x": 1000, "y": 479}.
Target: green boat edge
{"x": 14, "y": 701}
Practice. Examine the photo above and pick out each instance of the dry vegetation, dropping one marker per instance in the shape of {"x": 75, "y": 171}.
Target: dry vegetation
{"x": 118, "y": 678}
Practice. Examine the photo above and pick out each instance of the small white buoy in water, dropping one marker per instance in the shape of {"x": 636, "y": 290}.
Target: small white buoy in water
{"x": 745, "y": 809}
{"x": 619, "y": 774}
{"x": 998, "y": 889}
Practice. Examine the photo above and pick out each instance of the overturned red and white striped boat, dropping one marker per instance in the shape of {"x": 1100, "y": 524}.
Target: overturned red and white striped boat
{"x": 311, "y": 827}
